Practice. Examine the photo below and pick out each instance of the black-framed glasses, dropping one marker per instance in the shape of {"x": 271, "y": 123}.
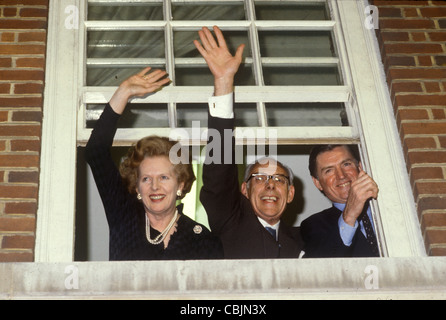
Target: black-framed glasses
{"x": 260, "y": 178}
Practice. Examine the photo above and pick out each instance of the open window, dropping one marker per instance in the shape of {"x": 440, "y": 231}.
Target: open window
{"x": 311, "y": 75}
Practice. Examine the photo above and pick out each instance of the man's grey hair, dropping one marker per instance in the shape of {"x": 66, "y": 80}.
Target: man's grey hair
{"x": 266, "y": 160}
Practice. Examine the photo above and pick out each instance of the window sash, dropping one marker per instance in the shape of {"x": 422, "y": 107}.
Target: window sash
{"x": 259, "y": 94}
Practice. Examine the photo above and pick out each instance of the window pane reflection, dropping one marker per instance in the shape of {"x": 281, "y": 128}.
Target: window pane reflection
{"x": 306, "y": 114}
{"x": 135, "y": 115}
{"x": 290, "y": 11}
{"x": 146, "y": 11}
{"x": 301, "y": 76}
{"x": 296, "y": 44}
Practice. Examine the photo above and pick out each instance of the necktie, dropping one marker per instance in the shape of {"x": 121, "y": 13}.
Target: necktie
{"x": 370, "y": 234}
{"x": 272, "y": 231}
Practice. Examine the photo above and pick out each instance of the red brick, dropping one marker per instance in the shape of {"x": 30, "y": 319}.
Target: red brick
{"x": 33, "y": 13}
{"x": 439, "y": 114}
{"x": 14, "y": 49}
{"x": 432, "y": 87}
{"x": 433, "y": 188}
{"x": 17, "y": 224}
{"x": 433, "y": 11}
{"x": 25, "y": 145}
{"x": 432, "y": 203}
{"x": 420, "y": 173}
{"x": 393, "y": 48}
{"x": 405, "y": 61}
{"x": 5, "y": 88}
{"x": 7, "y": 37}
{"x": 16, "y": 256}
{"x": 411, "y": 12}
{"x": 417, "y": 73}
{"x": 30, "y": 63}
{"x": 425, "y": 61}
{"x": 20, "y": 207}
{"x": 424, "y": 157}
{"x": 420, "y": 142}
{"x": 28, "y": 88}
{"x": 421, "y": 100}
{"x": 418, "y": 36}
{"x": 20, "y": 24}
{"x": 437, "y": 36}
{"x": 28, "y": 116}
{"x": 431, "y": 128}
{"x": 395, "y": 36}
{"x": 32, "y": 37}
{"x": 18, "y": 242}
{"x": 406, "y": 24}
{"x": 406, "y": 87}
{"x": 434, "y": 219}
{"x": 13, "y": 102}
{"x": 20, "y": 130}
{"x": 11, "y": 191}
{"x": 5, "y": 62}
{"x": 19, "y": 161}
{"x": 436, "y": 236}
{"x": 22, "y": 75}
{"x": 23, "y": 177}
{"x": 413, "y": 114}
{"x": 437, "y": 251}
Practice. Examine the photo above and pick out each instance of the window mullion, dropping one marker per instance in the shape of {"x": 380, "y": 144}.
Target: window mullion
{"x": 170, "y": 59}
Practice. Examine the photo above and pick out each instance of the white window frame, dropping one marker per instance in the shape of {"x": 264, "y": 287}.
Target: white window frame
{"x": 397, "y": 225}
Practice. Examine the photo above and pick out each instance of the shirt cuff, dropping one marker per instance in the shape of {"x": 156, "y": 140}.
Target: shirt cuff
{"x": 222, "y": 106}
{"x": 347, "y": 231}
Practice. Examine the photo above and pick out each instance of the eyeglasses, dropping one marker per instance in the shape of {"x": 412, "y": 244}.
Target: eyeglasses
{"x": 260, "y": 178}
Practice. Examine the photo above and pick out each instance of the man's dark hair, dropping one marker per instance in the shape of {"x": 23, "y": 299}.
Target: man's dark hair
{"x": 317, "y": 150}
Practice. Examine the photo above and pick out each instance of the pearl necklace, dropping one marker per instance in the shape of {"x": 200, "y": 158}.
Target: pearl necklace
{"x": 160, "y": 238}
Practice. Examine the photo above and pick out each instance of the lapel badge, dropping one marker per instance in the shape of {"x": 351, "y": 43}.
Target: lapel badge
{"x": 198, "y": 229}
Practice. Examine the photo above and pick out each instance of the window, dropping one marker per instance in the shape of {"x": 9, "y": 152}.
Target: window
{"x": 311, "y": 75}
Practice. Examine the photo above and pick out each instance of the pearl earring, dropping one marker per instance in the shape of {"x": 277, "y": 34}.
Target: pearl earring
{"x": 179, "y": 193}
{"x": 139, "y": 196}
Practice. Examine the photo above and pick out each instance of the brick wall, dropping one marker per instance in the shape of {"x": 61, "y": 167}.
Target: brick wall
{"x": 23, "y": 25}
{"x": 412, "y": 36}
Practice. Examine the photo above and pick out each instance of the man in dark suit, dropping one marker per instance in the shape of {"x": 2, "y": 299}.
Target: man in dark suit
{"x": 247, "y": 222}
{"x": 346, "y": 229}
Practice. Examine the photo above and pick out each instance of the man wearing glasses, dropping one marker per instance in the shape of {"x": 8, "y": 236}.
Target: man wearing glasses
{"x": 248, "y": 222}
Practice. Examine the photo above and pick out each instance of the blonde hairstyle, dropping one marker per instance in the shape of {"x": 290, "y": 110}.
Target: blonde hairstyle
{"x": 150, "y": 147}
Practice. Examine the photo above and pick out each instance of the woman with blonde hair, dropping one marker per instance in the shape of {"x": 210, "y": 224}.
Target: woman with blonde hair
{"x": 140, "y": 197}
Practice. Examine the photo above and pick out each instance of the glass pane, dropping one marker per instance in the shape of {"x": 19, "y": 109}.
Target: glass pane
{"x": 296, "y": 44}
{"x": 306, "y": 114}
{"x": 112, "y": 76}
{"x": 201, "y": 76}
{"x": 188, "y": 112}
{"x": 134, "y": 116}
{"x": 134, "y": 11}
{"x": 246, "y": 115}
{"x": 290, "y": 11}
{"x": 185, "y": 48}
{"x": 125, "y": 44}
{"x": 188, "y": 11}
{"x": 301, "y": 76}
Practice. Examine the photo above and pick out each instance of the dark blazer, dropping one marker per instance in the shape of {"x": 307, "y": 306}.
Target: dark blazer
{"x": 230, "y": 213}
{"x": 321, "y": 235}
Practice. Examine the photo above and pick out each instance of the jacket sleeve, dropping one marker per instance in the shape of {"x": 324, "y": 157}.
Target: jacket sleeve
{"x": 321, "y": 236}
{"x": 105, "y": 172}
{"x": 220, "y": 193}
